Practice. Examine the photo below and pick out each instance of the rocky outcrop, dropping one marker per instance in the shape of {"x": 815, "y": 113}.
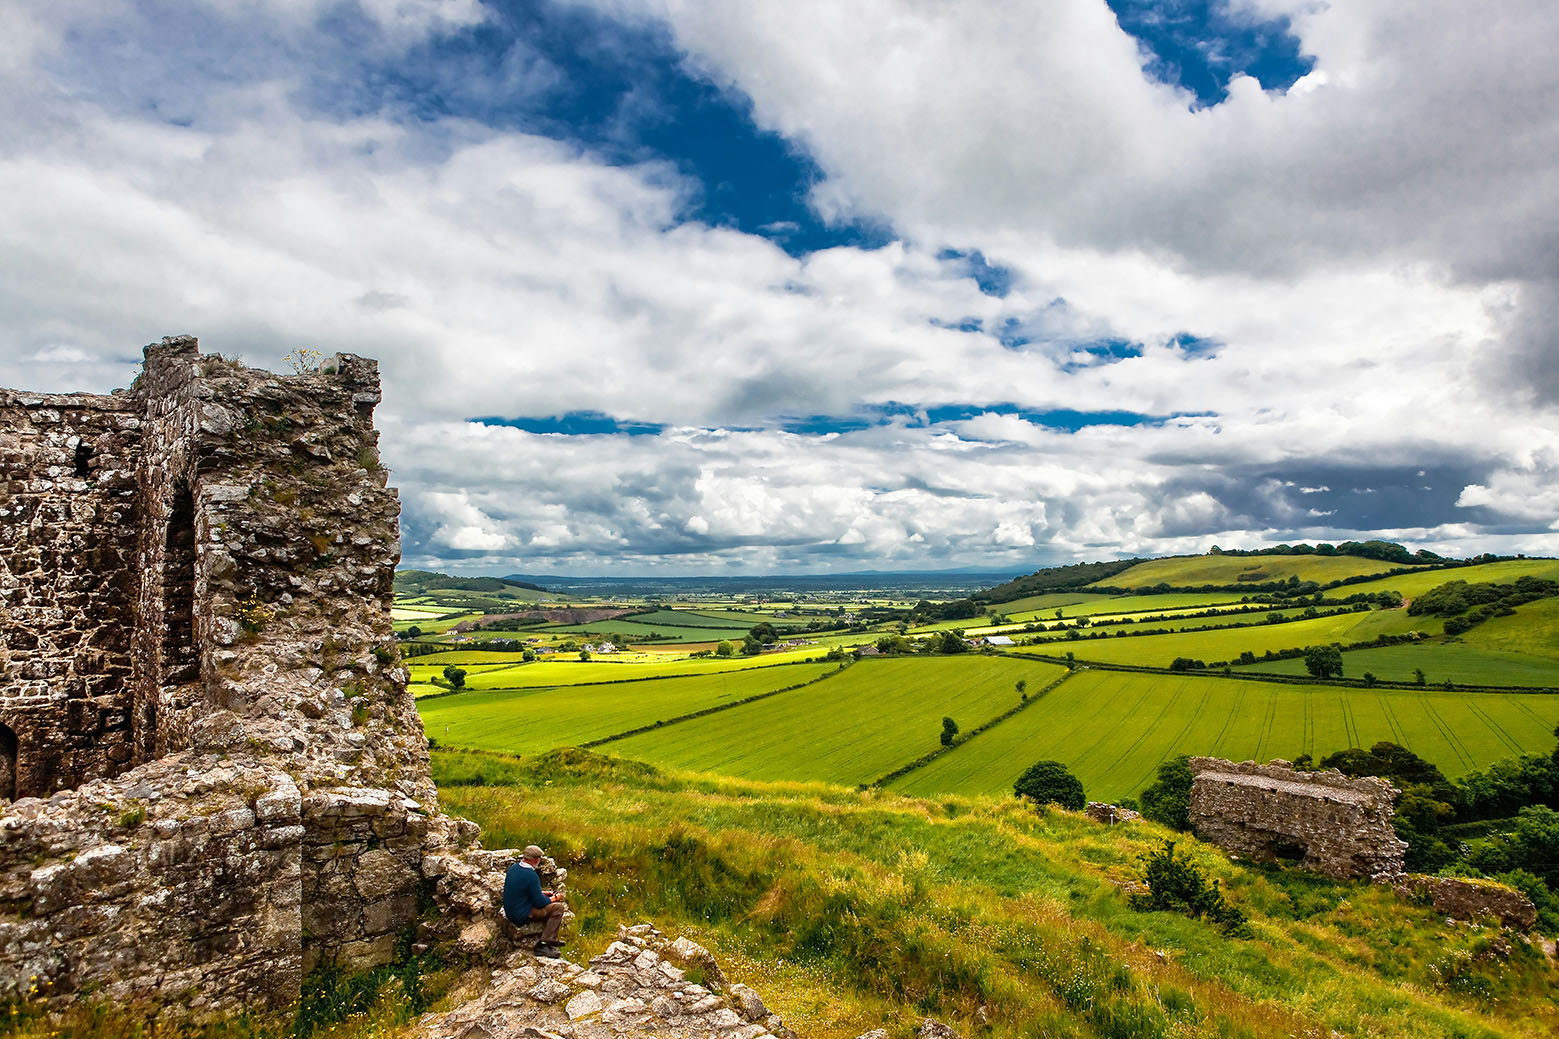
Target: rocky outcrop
{"x": 1326, "y": 821}
{"x": 643, "y": 984}
{"x": 1108, "y": 813}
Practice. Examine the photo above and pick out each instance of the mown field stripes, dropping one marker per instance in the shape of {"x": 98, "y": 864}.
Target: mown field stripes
{"x": 861, "y": 724}
{"x": 526, "y": 721}
{"x": 1113, "y": 728}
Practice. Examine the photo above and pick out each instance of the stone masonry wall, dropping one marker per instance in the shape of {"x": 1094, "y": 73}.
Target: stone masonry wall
{"x": 68, "y": 513}
{"x": 1341, "y": 826}
{"x": 197, "y": 864}
{"x": 252, "y": 794}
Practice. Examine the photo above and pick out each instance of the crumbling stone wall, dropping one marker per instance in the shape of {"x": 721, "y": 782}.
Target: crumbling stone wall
{"x": 1470, "y": 899}
{"x": 212, "y": 599}
{"x": 1336, "y": 825}
{"x": 176, "y": 882}
{"x": 68, "y": 523}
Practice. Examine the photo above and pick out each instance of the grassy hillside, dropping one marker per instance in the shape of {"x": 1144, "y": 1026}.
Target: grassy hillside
{"x": 1416, "y": 584}
{"x": 1113, "y": 728}
{"x": 1182, "y": 571}
{"x": 850, "y": 911}
{"x": 1533, "y": 629}
{"x": 850, "y": 728}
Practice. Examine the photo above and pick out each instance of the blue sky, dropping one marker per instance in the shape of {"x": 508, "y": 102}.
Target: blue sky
{"x": 683, "y": 287}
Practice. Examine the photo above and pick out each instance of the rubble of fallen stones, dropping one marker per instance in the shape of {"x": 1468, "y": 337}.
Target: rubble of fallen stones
{"x": 643, "y": 984}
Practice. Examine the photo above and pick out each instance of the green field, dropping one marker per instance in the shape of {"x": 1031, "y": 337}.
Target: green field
{"x": 849, "y": 729}
{"x": 1073, "y": 606}
{"x": 527, "y": 721}
{"x": 550, "y": 672}
{"x": 1441, "y": 662}
{"x": 1165, "y": 602}
{"x": 1046, "y": 603}
{"x": 461, "y": 657}
{"x": 1112, "y": 729}
{"x": 1533, "y": 628}
{"x": 424, "y": 672}
{"x": 699, "y": 618}
{"x": 1179, "y": 571}
{"x": 1413, "y": 585}
{"x": 635, "y": 630}
{"x": 1229, "y": 643}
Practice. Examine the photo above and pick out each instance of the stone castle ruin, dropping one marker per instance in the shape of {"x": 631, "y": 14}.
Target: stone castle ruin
{"x": 1332, "y": 824}
{"x": 212, "y": 776}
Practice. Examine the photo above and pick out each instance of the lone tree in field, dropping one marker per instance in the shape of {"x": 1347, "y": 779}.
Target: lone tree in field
{"x": 726, "y": 648}
{"x": 455, "y": 676}
{"x": 949, "y": 731}
{"x": 1049, "y": 782}
{"x": 1323, "y": 661}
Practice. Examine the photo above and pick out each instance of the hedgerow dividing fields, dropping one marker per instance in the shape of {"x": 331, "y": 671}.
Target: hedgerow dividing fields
{"x": 851, "y": 728}
{"x": 530, "y": 720}
{"x": 1113, "y": 728}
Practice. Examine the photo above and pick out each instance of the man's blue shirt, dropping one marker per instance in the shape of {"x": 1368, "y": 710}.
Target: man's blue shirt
{"x": 522, "y": 893}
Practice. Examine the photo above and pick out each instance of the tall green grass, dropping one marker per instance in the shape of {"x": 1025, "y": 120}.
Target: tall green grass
{"x": 852, "y": 910}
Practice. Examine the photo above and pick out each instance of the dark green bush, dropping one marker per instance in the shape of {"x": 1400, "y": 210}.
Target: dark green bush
{"x": 1049, "y": 782}
{"x": 1168, "y": 800}
{"x": 1177, "y": 885}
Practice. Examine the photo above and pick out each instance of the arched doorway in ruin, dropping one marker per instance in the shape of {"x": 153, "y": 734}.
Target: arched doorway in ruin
{"x": 8, "y": 750}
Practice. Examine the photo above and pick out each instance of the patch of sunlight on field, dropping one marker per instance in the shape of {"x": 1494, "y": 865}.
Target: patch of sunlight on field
{"x": 852, "y": 728}
{"x": 1113, "y": 728}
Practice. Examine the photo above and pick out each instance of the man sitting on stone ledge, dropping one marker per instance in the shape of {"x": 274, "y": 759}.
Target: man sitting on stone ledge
{"x": 524, "y": 900}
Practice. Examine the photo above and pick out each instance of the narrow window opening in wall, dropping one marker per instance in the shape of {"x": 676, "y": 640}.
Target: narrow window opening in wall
{"x": 83, "y": 460}
{"x": 8, "y": 750}
{"x": 180, "y": 662}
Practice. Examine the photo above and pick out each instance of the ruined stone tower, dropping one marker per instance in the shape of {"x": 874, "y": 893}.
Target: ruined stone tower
{"x": 212, "y": 776}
